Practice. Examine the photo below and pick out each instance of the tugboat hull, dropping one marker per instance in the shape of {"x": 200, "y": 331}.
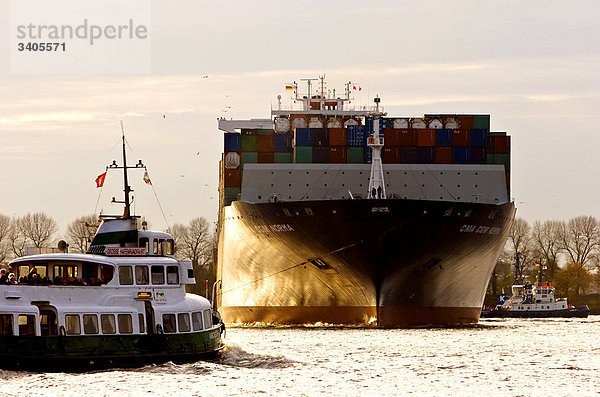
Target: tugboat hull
{"x": 580, "y": 311}
{"x": 386, "y": 262}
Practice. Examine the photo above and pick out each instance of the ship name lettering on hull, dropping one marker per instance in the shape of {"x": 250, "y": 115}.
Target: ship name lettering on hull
{"x": 480, "y": 229}
{"x": 274, "y": 228}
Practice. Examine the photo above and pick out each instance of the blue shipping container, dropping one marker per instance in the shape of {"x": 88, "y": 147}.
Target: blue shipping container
{"x": 303, "y": 137}
{"x": 408, "y": 155}
{"x": 477, "y": 155}
{"x": 283, "y": 143}
{"x": 478, "y": 137}
{"x": 443, "y": 137}
{"x": 233, "y": 143}
{"x": 425, "y": 154}
{"x": 460, "y": 155}
{"x": 355, "y": 136}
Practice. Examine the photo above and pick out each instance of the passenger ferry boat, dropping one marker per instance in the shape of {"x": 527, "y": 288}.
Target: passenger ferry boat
{"x": 122, "y": 303}
{"x": 534, "y": 302}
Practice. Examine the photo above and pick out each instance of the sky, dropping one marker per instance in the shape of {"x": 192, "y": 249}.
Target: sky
{"x": 532, "y": 65}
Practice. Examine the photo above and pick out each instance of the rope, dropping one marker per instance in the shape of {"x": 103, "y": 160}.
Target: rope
{"x": 159, "y": 205}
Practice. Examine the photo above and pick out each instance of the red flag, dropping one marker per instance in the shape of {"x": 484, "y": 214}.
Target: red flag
{"x": 100, "y": 180}
{"x": 354, "y": 87}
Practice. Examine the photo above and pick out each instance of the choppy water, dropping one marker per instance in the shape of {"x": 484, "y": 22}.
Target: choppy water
{"x": 497, "y": 357}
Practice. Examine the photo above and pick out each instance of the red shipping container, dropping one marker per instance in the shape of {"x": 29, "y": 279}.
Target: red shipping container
{"x": 390, "y": 155}
{"x": 338, "y": 154}
{"x": 467, "y": 122}
{"x": 460, "y": 137}
{"x": 391, "y": 137}
{"x": 232, "y": 178}
{"x": 443, "y": 155}
{"x": 426, "y": 137}
{"x": 265, "y": 143}
{"x": 407, "y": 137}
{"x": 337, "y": 137}
{"x": 264, "y": 157}
{"x": 500, "y": 144}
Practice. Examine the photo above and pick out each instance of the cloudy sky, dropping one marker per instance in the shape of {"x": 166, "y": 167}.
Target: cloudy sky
{"x": 532, "y": 65}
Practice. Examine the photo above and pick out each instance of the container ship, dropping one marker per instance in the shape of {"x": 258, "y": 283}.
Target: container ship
{"x": 348, "y": 216}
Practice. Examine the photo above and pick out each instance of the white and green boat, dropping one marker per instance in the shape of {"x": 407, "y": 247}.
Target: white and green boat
{"x": 122, "y": 303}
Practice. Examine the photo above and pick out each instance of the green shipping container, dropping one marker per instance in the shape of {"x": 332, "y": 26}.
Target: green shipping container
{"x": 283, "y": 157}
{"x": 481, "y": 122}
{"x": 356, "y": 155}
{"x": 303, "y": 154}
{"x": 231, "y": 194}
{"x": 249, "y": 143}
{"x": 249, "y": 157}
{"x": 499, "y": 158}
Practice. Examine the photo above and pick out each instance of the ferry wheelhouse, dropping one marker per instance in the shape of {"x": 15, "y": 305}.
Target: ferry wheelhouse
{"x": 124, "y": 302}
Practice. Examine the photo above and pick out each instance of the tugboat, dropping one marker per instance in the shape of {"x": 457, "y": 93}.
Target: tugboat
{"x": 123, "y": 303}
{"x": 528, "y": 301}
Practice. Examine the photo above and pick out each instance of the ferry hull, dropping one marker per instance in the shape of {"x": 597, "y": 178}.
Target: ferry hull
{"x": 385, "y": 262}
{"x": 104, "y": 351}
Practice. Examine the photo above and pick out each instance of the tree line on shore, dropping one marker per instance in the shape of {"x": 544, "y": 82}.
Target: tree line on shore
{"x": 566, "y": 252}
{"x": 195, "y": 241}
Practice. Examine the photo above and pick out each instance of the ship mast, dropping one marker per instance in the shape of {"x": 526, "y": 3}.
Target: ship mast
{"x": 375, "y": 142}
{"x": 126, "y": 188}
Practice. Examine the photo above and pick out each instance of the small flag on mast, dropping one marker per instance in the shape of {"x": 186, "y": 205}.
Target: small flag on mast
{"x": 147, "y": 178}
{"x": 100, "y": 180}
{"x": 289, "y": 87}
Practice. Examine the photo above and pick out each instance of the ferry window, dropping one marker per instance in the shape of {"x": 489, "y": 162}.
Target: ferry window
{"x": 90, "y": 324}
{"x": 22, "y": 271}
{"x": 170, "y": 247}
{"x": 172, "y": 275}
{"x": 125, "y": 275}
{"x": 142, "y": 323}
{"x": 125, "y": 324}
{"x": 163, "y": 247}
{"x": 90, "y": 272}
{"x": 207, "y": 319}
{"x": 183, "y": 321}
{"x": 169, "y": 323}
{"x": 145, "y": 243}
{"x": 65, "y": 271}
{"x": 72, "y": 324}
{"x": 108, "y": 323}
{"x": 6, "y": 324}
{"x": 197, "y": 321}
{"x": 155, "y": 246}
{"x": 26, "y": 324}
{"x": 107, "y": 273}
{"x": 141, "y": 275}
{"x": 158, "y": 274}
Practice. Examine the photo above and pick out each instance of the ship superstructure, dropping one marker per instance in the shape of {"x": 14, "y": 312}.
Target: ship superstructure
{"x": 338, "y": 215}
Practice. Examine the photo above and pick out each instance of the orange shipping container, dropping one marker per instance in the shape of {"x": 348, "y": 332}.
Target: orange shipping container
{"x": 232, "y": 178}
{"x": 467, "y": 122}
{"x": 460, "y": 138}
{"x": 337, "y": 154}
{"x": 265, "y": 143}
{"x": 426, "y": 137}
{"x": 443, "y": 155}
{"x": 391, "y": 137}
{"x": 264, "y": 157}
{"x": 337, "y": 137}
{"x": 500, "y": 144}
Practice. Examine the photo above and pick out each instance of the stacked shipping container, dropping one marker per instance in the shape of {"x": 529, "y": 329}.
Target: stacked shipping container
{"x": 433, "y": 139}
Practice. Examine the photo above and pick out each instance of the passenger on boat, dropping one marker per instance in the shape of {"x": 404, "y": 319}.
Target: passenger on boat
{"x": 12, "y": 279}
{"x": 3, "y": 276}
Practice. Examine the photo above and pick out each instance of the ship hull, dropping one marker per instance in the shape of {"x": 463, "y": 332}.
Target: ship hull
{"x": 385, "y": 262}
{"x": 580, "y": 311}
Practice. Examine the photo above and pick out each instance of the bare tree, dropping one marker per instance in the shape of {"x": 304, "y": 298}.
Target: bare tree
{"x": 546, "y": 237}
{"x": 38, "y": 227}
{"x": 4, "y": 233}
{"x": 580, "y": 239}
{"x": 81, "y": 231}
{"x": 573, "y": 280}
{"x": 16, "y": 238}
{"x": 520, "y": 244}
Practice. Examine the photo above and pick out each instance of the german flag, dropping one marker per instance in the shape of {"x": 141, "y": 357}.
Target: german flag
{"x": 289, "y": 87}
